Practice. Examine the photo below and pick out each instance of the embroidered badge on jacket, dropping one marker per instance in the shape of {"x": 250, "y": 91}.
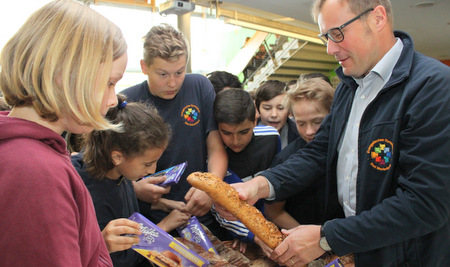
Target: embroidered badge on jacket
{"x": 380, "y": 154}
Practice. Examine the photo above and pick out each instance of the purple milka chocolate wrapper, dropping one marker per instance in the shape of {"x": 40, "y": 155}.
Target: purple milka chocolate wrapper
{"x": 335, "y": 263}
{"x": 172, "y": 174}
{"x": 157, "y": 245}
{"x": 194, "y": 232}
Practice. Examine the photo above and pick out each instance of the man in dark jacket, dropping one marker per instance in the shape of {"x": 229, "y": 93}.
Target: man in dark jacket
{"x": 384, "y": 148}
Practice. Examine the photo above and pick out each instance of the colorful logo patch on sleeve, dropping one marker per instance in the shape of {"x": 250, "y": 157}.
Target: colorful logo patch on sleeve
{"x": 380, "y": 154}
{"x": 191, "y": 115}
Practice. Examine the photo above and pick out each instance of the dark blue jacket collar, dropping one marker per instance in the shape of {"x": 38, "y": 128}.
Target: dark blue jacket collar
{"x": 401, "y": 70}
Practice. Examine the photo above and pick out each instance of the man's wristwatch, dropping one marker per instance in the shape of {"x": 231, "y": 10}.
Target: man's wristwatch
{"x": 323, "y": 241}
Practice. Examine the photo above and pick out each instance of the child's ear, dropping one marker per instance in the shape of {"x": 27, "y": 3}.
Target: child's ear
{"x": 255, "y": 122}
{"x": 143, "y": 67}
{"x": 117, "y": 157}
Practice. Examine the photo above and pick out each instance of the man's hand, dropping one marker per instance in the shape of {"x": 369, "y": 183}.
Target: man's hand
{"x": 198, "y": 202}
{"x": 249, "y": 191}
{"x": 300, "y": 247}
{"x": 146, "y": 189}
{"x": 115, "y": 234}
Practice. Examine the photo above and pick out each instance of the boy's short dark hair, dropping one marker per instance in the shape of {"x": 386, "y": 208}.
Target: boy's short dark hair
{"x": 234, "y": 106}
{"x": 269, "y": 90}
{"x": 222, "y": 79}
{"x": 313, "y": 75}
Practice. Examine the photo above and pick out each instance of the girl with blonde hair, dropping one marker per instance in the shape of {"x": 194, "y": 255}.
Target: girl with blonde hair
{"x": 58, "y": 73}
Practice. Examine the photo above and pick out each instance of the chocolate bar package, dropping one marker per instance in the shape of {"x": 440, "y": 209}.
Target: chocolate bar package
{"x": 172, "y": 174}
{"x": 335, "y": 263}
{"x": 194, "y": 232}
{"x": 161, "y": 248}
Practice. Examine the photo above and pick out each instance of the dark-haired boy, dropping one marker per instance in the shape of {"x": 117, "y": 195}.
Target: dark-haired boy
{"x": 250, "y": 149}
{"x": 223, "y": 80}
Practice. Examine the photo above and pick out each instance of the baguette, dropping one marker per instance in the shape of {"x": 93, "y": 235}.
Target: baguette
{"x": 225, "y": 195}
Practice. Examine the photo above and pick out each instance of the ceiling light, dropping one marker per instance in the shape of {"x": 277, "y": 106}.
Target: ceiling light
{"x": 263, "y": 28}
{"x": 284, "y": 19}
{"x": 424, "y": 4}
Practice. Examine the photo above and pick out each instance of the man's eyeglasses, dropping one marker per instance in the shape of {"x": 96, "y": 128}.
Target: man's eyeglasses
{"x": 335, "y": 34}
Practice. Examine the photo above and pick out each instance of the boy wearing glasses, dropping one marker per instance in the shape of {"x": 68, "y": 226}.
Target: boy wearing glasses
{"x": 383, "y": 148}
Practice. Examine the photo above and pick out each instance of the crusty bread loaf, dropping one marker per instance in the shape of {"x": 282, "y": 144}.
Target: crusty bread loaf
{"x": 225, "y": 195}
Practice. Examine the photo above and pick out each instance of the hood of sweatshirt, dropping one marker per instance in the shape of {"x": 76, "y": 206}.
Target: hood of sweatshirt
{"x": 16, "y": 128}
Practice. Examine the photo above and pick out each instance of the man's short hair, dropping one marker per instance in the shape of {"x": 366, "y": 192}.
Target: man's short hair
{"x": 358, "y": 7}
